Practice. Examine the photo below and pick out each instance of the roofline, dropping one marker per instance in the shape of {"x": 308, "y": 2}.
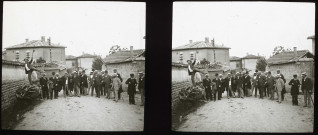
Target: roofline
{"x": 176, "y": 49}
{"x": 116, "y": 62}
{"x": 311, "y": 37}
{"x": 138, "y": 55}
{"x": 8, "y": 48}
{"x": 252, "y": 58}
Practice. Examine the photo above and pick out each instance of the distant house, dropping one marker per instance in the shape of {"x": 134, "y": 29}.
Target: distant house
{"x": 39, "y": 48}
{"x": 85, "y": 62}
{"x": 202, "y": 49}
{"x": 236, "y": 63}
{"x": 71, "y": 62}
{"x": 292, "y": 62}
{"x": 313, "y": 43}
{"x": 126, "y": 62}
{"x": 249, "y": 63}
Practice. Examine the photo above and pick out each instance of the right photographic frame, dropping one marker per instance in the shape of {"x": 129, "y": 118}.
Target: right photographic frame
{"x": 243, "y": 67}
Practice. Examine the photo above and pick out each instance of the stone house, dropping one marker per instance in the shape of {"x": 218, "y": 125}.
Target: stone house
{"x": 44, "y": 49}
{"x": 292, "y": 62}
{"x": 85, "y": 62}
{"x": 236, "y": 63}
{"x": 126, "y": 62}
{"x": 71, "y": 62}
{"x": 249, "y": 63}
{"x": 202, "y": 49}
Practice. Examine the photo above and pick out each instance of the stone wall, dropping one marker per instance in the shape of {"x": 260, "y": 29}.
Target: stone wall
{"x": 289, "y": 69}
{"x": 13, "y": 76}
{"x": 127, "y": 68}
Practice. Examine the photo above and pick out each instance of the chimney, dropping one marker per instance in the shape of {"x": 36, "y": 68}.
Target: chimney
{"x": 212, "y": 42}
{"x": 206, "y": 39}
{"x": 131, "y": 52}
{"x": 190, "y": 41}
{"x": 295, "y": 52}
{"x": 49, "y": 40}
{"x": 26, "y": 40}
{"x": 43, "y": 38}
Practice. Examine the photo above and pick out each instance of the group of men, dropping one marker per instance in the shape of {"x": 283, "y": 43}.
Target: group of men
{"x": 79, "y": 84}
{"x": 264, "y": 85}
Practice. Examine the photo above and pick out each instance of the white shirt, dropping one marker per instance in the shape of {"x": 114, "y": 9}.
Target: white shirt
{"x": 26, "y": 66}
{"x": 230, "y": 82}
{"x": 66, "y": 81}
{"x": 190, "y": 69}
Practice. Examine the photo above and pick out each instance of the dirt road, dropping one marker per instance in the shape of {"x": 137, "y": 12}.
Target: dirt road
{"x": 85, "y": 113}
{"x": 250, "y": 115}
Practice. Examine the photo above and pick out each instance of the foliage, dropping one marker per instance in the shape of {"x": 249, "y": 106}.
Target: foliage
{"x": 204, "y": 62}
{"x": 97, "y": 63}
{"x": 261, "y": 64}
{"x": 40, "y": 60}
{"x": 278, "y": 49}
{"x": 113, "y": 49}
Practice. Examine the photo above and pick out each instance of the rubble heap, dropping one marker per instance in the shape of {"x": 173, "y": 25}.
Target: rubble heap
{"x": 28, "y": 91}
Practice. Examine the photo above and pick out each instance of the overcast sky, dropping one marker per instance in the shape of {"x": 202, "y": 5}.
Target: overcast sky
{"x": 253, "y": 27}
{"x": 81, "y": 26}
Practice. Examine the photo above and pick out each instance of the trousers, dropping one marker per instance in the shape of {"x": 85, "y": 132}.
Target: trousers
{"x": 307, "y": 97}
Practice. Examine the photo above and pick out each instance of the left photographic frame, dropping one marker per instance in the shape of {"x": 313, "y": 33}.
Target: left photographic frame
{"x": 73, "y": 66}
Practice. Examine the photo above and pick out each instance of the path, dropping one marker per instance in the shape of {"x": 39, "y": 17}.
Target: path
{"x": 250, "y": 115}
{"x": 85, "y": 113}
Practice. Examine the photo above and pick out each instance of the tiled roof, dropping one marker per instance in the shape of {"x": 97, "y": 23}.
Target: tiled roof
{"x": 200, "y": 44}
{"x": 123, "y": 56}
{"x": 35, "y": 43}
{"x": 286, "y": 57}
{"x": 234, "y": 58}
{"x": 311, "y": 37}
{"x": 69, "y": 57}
{"x": 251, "y": 56}
{"x": 86, "y": 55}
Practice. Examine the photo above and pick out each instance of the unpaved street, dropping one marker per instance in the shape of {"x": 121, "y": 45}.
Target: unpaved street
{"x": 85, "y": 113}
{"x": 250, "y": 115}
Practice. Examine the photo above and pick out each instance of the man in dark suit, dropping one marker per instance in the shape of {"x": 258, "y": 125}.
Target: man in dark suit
{"x": 294, "y": 91}
{"x": 76, "y": 84}
{"x": 107, "y": 84}
{"x": 64, "y": 84}
{"x": 220, "y": 87}
{"x": 228, "y": 82}
{"x": 70, "y": 84}
{"x": 141, "y": 87}
{"x": 56, "y": 84}
{"x": 306, "y": 87}
{"x": 232, "y": 85}
{"x": 44, "y": 86}
{"x": 91, "y": 83}
{"x": 270, "y": 80}
{"x": 84, "y": 83}
{"x": 247, "y": 84}
{"x": 207, "y": 86}
{"x": 97, "y": 82}
{"x": 216, "y": 80}
{"x": 102, "y": 88}
{"x": 239, "y": 85}
{"x": 261, "y": 83}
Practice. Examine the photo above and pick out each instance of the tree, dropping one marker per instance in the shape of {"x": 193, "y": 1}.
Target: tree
{"x": 278, "y": 49}
{"x": 40, "y": 60}
{"x": 114, "y": 49}
{"x": 97, "y": 63}
{"x": 204, "y": 62}
{"x": 261, "y": 64}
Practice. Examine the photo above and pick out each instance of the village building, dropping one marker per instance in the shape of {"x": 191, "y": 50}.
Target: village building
{"x": 44, "y": 49}
{"x": 82, "y": 62}
{"x": 236, "y": 63}
{"x": 292, "y": 62}
{"x": 249, "y": 63}
{"x": 202, "y": 50}
{"x": 126, "y": 62}
{"x": 71, "y": 62}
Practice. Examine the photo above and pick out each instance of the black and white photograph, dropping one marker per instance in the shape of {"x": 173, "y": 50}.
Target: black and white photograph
{"x": 243, "y": 67}
{"x": 73, "y": 66}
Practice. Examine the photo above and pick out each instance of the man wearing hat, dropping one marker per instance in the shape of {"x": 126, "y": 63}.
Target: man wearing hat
{"x": 239, "y": 85}
{"x": 29, "y": 68}
{"x": 141, "y": 87}
{"x": 294, "y": 91}
{"x": 270, "y": 84}
{"x": 221, "y": 86}
{"x": 107, "y": 84}
{"x": 121, "y": 79}
{"x": 44, "y": 86}
{"x": 64, "y": 83}
{"x": 97, "y": 82}
{"x": 228, "y": 81}
{"x": 207, "y": 86}
{"x": 306, "y": 87}
{"x": 91, "y": 83}
{"x": 284, "y": 88}
{"x": 216, "y": 81}
{"x": 261, "y": 84}
{"x": 84, "y": 84}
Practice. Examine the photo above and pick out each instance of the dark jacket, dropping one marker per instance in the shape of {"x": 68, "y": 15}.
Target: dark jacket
{"x": 43, "y": 82}
{"x": 141, "y": 83}
{"x": 295, "y": 83}
{"x": 270, "y": 81}
{"x": 306, "y": 84}
{"x": 97, "y": 79}
{"x": 76, "y": 80}
{"x": 192, "y": 68}
{"x": 239, "y": 81}
{"x": 131, "y": 85}
{"x": 261, "y": 81}
{"x": 56, "y": 83}
{"x": 107, "y": 80}
{"x": 83, "y": 80}
{"x": 207, "y": 83}
{"x": 247, "y": 81}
